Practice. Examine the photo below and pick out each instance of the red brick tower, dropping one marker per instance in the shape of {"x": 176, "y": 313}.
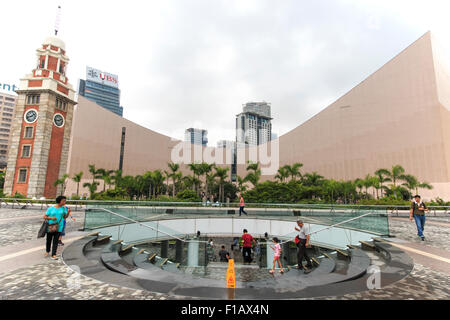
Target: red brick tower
{"x": 41, "y": 129}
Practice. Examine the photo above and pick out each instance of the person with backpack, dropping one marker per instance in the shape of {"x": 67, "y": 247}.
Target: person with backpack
{"x": 55, "y": 216}
{"x": 418, "y": 209}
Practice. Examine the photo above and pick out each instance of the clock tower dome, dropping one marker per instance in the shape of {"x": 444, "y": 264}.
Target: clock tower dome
{"x": 40, "y": 133}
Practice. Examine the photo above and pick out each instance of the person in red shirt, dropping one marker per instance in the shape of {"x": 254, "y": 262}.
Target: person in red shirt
{"x": 247, "y": 240}
{"x": 241, "y": 207}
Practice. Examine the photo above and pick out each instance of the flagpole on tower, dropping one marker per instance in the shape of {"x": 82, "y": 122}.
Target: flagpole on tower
{"x": 58, "y": 20}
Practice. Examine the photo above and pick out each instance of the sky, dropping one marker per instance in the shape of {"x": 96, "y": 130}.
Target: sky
{"x": 194, "y": 63}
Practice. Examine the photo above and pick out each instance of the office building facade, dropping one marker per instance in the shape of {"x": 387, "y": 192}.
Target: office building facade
{"x": 101, "y": 88}
{"x": 7, "y": 112}
{"x": 254, "y": 124}
{"x": 196, "y": 136}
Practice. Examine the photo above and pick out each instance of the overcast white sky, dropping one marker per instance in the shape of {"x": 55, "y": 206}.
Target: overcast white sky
{"x": 194, "y": 63}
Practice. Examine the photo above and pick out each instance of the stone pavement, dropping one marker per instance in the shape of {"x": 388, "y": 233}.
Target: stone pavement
{"x": 26, "y": 274}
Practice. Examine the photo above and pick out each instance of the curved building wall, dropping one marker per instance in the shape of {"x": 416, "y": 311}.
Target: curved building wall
{"x": 395, "y": 116}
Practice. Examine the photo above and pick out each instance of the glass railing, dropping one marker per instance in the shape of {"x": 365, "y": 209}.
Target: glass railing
{"x": 370, "y": 219}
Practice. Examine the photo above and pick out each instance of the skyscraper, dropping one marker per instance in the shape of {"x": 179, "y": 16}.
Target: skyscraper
{"x": 7, "y": 107}
{"x": 196, "y": 136}
{"x": 253, "y": 125}
{"x": 102, "y": 88}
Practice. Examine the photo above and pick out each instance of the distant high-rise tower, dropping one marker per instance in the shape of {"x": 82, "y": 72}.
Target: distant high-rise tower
{"x": 101, "y": 88}
{"x": 196, "y": 136}
{"x": 7, "y": 107}
{"x": 42, "y": 125}
{"x": 253, "y": 125}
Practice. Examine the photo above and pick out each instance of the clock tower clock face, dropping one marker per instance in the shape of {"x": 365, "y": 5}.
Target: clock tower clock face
{"x": 58, "y": 120}
{"x": 31, "y": 116}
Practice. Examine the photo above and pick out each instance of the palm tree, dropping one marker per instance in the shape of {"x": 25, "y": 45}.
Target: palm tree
{"x": 283, "y": 173}
{"x": 255, "y": 173}
{"x": 117, "y": 178}
{"x": 62, "y": 182}
{"x": 105, "y": 175}
{"x": 359, "y": 184}
{"x": 396, "y": 174}
{"x": 196, "y": 169}
{"x": 167, "y": 177}
{"x": 93, "y": 171}
{"x": 382, "y": 175}
{"x": 294, "y": 170}
{"x": 313, "y": 179}
{"x": 424, "y": 185}
{"x": 158, "y": 180}
{"x": 222, "y": 174}
{"x": 173, "y": 168}
{"x": 206, "y": 170}
{"x": 92, "y": 188}
{"x": 241, "y": 184}
{"x": 77, "y": 178}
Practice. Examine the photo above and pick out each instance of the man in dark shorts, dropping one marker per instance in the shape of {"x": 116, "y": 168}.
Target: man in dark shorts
{"x": 247, "y": 240}
{"x": 303, "y": 236}
{"x": 224, "y": 255}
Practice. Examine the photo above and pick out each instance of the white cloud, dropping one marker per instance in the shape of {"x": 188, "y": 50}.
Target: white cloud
{"x": 194, "y": 63}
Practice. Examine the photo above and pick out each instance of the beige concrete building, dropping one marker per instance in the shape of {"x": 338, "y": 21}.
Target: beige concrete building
{"x": 7, "y": 112}
{"x": 398, "y": 115}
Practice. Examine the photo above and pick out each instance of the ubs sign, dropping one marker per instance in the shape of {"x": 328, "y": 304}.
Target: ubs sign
{"x": 105, "y": 78}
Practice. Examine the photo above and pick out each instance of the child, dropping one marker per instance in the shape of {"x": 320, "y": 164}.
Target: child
{"x": 277, "y": 255}
{"x": 63, "y": 233}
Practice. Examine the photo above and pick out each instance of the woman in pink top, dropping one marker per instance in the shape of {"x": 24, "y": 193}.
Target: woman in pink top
{"x": 277, "y": 255}
{"x": 241, "y": 207}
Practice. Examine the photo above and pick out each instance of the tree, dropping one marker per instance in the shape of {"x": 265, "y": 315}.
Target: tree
{"x": 222, "y": 174}
{"x": 382, "y": 175}
{"x": 92, "y": 188}
{"x": 63, "y": 182}
{"x": 396, "y": 174}
{"x": 105, "y": 175}
{"x": 283, "y": 173}
{"x": 93, "y": 171}
{"x": 294, "y": 170}
{"x": 313, "y": 179}
{"x": 196, "y": 169}
{"x": 255, "y": 173}
{"x": 173, "y": 168}
{"x": 241, "y": 184}
{"x": 77, "y": 178}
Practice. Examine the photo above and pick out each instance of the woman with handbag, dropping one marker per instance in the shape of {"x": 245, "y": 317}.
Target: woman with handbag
{"x": 55, "y": 216}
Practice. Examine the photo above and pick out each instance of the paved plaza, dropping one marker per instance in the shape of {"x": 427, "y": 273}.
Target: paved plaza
{"x": 26, "y": 274}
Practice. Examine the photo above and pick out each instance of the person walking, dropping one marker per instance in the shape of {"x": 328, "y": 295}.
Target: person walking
{"x": 418, "y": 209}
{"x": 55, "y": 216}
{"x": 277, "y": 255}
{"x": 241, "y": 206}
{"x": 247, "y": 240}
{"x": 302, "y": 244}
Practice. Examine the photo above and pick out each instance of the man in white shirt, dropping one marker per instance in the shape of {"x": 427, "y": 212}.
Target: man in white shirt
{"x": 303, "y": 236}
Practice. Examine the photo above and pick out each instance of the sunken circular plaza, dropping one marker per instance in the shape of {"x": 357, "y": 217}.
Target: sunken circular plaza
{"x": 168, "y": 250}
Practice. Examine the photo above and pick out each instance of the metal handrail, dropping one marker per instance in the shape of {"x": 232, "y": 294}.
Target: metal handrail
{"x": 332, "y": 226}
{"x": 147, "y": 226}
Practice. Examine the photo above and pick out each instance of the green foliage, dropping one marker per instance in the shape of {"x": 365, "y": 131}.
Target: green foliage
{"x": 189, "y": 196}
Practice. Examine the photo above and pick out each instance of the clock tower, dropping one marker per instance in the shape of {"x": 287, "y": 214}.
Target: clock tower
{"x": 40, "y": 134}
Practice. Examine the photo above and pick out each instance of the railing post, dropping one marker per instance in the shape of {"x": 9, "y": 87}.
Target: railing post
{"x": 164, "y": 248}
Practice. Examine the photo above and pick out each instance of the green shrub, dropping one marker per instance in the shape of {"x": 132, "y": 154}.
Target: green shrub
{"x": 189, "y": 196}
